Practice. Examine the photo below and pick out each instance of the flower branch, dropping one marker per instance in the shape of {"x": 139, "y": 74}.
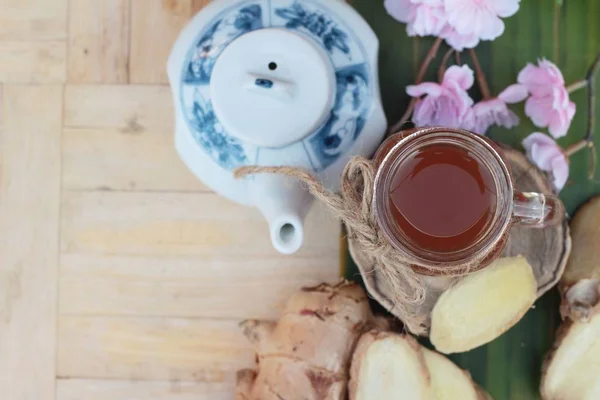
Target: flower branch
{"x": 575, "y": 86}
{"x": 483, "y": 85}
{"x": 589, "y": 82}
{"x": 588, "y": 140}
{"x": 576, "y": 147}
{"x": 444, "y": 63}
{"x": 431, "y": 55}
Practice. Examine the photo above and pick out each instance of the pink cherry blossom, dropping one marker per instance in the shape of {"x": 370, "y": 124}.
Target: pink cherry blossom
{"x": 496, "y": 112}
{"x": 555, "y": 111}
{"x": 446, "y": 104}
{"x": 462, "y": 23}
{"x": 479, "y": 17}
{"x": 543, "y": 151}
{"x": 457, "y": 41}
{"x": 422, "y": 17}
{"x": 540, "y": 79}
{"x": 549, "y": 104}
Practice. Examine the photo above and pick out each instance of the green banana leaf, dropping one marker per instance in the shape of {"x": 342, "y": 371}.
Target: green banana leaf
{"x": 568, "y": 34}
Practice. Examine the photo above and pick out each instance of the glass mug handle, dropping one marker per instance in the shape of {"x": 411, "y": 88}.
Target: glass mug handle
{"x": 537, "y": 210}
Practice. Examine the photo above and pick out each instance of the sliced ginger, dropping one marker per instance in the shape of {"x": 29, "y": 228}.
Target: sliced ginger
{"x": 448, "y": 382}
{"x": 483, "y": 305}
{"x": 387, "y": 365}
{"x": 572, "y": 369}
{"x": 580, "y": 284}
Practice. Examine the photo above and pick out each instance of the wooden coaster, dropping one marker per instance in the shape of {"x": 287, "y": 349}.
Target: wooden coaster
{"x": 547, "y": 249}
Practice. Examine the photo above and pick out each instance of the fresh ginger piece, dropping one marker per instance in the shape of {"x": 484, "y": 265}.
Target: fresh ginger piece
{"x": 388, "y": 366}
{"x": 449, "y": 382}
{"x": 584, "y": 262}
{"x": 572, "y": 369}
{"x": 306, "y": 354}
{"x": 483, "y": 305}
{"x": 580, "y": 284}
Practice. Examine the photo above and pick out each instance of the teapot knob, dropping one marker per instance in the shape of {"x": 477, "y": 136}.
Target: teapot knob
{"x": 272, "y": 87}
{"x": 283, "y": 90}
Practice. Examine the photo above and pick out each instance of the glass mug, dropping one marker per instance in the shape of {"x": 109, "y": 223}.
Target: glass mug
{"x": 445, "y": 197}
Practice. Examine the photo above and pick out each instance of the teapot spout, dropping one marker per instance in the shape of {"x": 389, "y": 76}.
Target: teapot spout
{"x": 284, "y": 202}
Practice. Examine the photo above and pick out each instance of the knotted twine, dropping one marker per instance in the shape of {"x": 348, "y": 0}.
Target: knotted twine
{"x": 353, "y": 205}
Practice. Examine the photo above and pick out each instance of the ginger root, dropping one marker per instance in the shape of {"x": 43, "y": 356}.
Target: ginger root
{"x": 572, "y": 370}
{"x": 483, "y": 305}
{"x": 580, "y": 284}
{"x": 306, "y": 354}
{"x": 387, "y": 365}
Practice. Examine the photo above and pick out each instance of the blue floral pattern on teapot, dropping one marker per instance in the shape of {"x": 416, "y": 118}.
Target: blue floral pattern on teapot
{"x": 316, "y": 23}
{"x": 353, "y": 92}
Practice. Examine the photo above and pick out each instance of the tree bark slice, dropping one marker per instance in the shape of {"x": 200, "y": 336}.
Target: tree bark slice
{"x": 546, "y": 250}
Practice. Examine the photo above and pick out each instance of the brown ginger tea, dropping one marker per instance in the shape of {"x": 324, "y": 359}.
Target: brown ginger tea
{"x": 442, "y": 198}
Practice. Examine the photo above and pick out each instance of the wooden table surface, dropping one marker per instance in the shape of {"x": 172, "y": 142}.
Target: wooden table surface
{"x": 121, "y": 276}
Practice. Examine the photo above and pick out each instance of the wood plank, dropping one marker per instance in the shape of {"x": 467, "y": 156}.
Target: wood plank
{"x": 29, "y": 222}
{"x": 151, "y": 349}
{"x": 98, "y": 41}
{"x": 33, "y": 19}
{"x": 32, "y": 62}
{"x": 155, "y": 24}
{"x": 116, "y": 159}
{"x": 121, "y": 138}
{"x": 179, "y": 224}
{"x": 213, "y": 286}
{"x": 130, "y": 108}
{"x": 73, "y": 389}
{"x": 197, "y": 5}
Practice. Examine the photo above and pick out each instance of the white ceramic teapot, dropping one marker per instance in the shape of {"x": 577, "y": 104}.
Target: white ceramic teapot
{"x": 275, "y": 82}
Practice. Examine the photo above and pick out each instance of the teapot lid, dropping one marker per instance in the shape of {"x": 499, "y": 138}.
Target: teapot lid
{"x": 272, "y": 87}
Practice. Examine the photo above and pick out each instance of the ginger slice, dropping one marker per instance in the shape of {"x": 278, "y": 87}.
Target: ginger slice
{"x": 388, "y": 366}
{"x": 572, "y": 369}
{"x": 448, "y": 381}
{"x": 483, "y": 305}
{"x": 580, "y": 284}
